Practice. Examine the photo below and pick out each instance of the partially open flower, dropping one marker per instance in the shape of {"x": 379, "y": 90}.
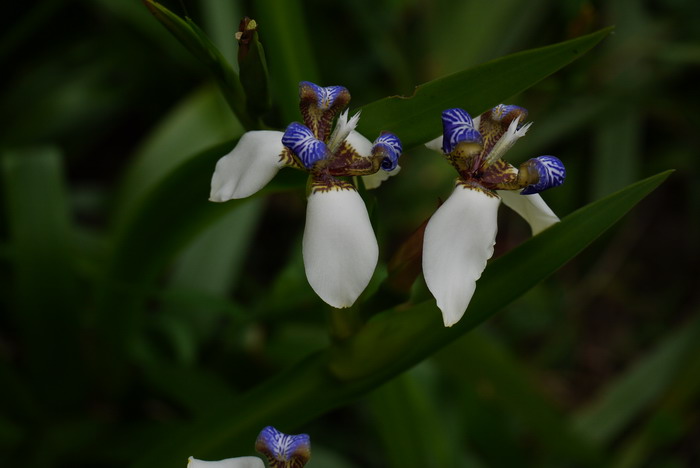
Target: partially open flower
{"x": 339, "y": 247}
{"x": 460, "y": 236}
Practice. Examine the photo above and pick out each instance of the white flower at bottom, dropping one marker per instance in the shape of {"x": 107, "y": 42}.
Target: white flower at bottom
{"x": 460, "y": 236}
{"x": 239, "y": 462}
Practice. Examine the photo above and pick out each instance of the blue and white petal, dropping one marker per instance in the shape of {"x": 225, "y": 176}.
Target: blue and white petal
{"x": 325, "y": 96}
{"x": 436, "y": 143}
{"x": 458, "y": 126}
{"x": 339, "y": 247}
{"x": 363, "y": 147}
{"x": 240, "y": 462}
{"x": 389, "y": 144}
{"x": 301, "y": 140}
{"x": 532, "y": 208}
{"x": 459, "y": 239}
{"x": 253, "y": 162}
{"x": 283, "y": 450}
{"x": 551, "y": 174}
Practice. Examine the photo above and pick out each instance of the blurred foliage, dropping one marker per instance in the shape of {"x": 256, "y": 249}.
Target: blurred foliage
{"x": 134, "y": 311}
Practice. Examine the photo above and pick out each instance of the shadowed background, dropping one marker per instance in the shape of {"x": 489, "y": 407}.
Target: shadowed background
{"x": 597, "y": 366}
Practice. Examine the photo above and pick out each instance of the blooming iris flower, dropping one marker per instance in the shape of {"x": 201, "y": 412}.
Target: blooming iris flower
{"x": 460, "y": 236}
{"x": 339, "y": 247}
{"x": 281, "y": 451}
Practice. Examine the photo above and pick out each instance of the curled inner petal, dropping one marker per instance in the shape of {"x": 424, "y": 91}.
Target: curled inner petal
{"x": 550, "y": 173}
{"x": 458, "y": 127}
{"x": 494, "y": 123}
{"x": 304, "y": 144}
{"x": 320, "y": 105}
{"x": 282, "y": 450}
{"x": 390, "y": 146}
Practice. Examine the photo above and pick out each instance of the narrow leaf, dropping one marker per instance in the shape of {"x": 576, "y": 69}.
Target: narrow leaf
{"x": 416, "y": 119}
{"x": 199, "y": 45}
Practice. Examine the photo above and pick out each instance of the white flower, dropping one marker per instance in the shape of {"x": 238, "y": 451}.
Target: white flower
{"x": 281, "y": 450}
{"x": 460, "y": 236}
{"x": 339, "y": 247}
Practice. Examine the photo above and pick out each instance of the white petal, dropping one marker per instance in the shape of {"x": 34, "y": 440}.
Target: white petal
{"x": 342, "y": 129}
{"x": 248, "y": 167}
{"x": 459, "y": 239}
{"x": 532, "y": 208}
{"x": 435, "y": 145}
{"x": 340, "y": 250}
{"x": 240, "y": 462}
{"x": 507, "y": 141}
{"x": 361, "y": 144}
{"x": 373, "y": 181}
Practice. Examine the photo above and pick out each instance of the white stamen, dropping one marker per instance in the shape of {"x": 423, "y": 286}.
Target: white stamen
{"x": 507, "y": 141}
{"x": 342, "y": 129}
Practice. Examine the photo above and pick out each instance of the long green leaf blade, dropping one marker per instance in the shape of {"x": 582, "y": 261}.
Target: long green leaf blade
{"x": 416, "y": 119}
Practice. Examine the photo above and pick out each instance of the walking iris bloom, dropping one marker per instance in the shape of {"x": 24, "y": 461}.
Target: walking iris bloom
{"x": 281, "y": 451}
{"x": 460, "y": 236}
{"x": 339, "y": 247}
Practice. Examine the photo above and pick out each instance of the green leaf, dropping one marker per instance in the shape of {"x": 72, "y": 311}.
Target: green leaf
{"x": 493, "y": 365}
{"x": 409, "y": 425}
{"x": 170, "y": 215}
{"x": 416, "y": 119}
{"x": 282, "y": 26}
{"x": 199, "y": 45}
{"x": 636, "y": 389}
{"x": 46, "y": 298}
{"x": 395, "y": 340}
{"x": 199, "y": 121}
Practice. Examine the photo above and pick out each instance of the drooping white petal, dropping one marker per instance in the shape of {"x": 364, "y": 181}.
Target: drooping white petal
{"x": 532, "y": 208}
{"x": 248, "y": 167}
{"x": 459, "y": 239}
{"x": 340, "y": 249}
{"x": 373, "y": 181}
{"x": 240, "y": 462}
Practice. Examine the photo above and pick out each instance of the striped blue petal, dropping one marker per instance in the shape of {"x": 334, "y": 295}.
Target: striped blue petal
{"x": 501, "y": 111}
{"x": 551, "y": 174}
{"x": 457, "y": 126}
{"x": 304, "y": 144}
{"x": 325, "y": 96}
{"x": 282, "y": 450}
{"x": 391, "y": 145}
